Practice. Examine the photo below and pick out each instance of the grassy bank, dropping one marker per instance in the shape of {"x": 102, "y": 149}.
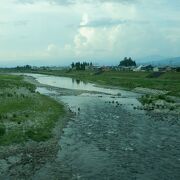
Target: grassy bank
{"x": 169, "y": 81}
{"x": 24, "y": 113}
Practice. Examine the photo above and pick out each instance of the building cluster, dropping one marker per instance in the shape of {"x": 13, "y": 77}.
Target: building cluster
{"x": 138, "y": 68}
{"x": 147, "y": 68}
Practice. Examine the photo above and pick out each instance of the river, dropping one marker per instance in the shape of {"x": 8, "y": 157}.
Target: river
{"x": 108, "y": 139}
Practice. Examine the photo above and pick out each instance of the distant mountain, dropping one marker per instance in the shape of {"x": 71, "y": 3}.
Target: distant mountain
{"x": 160, "y": 61}
{"x": 151, "y": 58}
{"x": 170, "y": 62}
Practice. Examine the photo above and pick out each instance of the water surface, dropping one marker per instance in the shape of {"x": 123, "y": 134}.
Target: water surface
{"x": 109, "y": 140}
{"x": 74, "y": 84}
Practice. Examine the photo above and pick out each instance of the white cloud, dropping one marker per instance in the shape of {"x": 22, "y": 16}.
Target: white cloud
{"x": 85, "y": 20}
{"x": 52, "y": 49}
{"x": 52, "y": 29}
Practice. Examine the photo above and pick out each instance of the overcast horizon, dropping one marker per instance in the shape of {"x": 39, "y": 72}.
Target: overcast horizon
{"x": 57, "y": 32}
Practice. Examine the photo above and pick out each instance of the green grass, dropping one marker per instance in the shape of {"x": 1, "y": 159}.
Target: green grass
{"x": 12, "y": 81}
{"x": 25, "y": 114}
{"x": 149, "y": 99}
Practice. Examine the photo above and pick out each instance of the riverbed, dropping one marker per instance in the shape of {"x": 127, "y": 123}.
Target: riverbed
{"x": 108, "y": 139}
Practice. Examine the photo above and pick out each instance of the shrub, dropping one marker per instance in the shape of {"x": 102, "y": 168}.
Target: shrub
{"x": 162, "y": 97}
{"x": 171, "y": 108}
{"x": 169, "y": 100}
{"x": 2, "y": 129}
{"x": 27, "y": 115}
{"x": 146, "y": 99}
{"x": 14, "y": 115}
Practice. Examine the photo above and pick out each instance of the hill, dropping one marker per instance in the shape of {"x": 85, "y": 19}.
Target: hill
{"x": 157, "y": 61}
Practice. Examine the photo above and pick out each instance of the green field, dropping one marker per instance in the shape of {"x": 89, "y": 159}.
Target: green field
{"x": 24, "y": 113}
{"x": 169, "y": 81}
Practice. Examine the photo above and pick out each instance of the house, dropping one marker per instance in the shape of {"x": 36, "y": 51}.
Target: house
{"x": 139, "y": 68}
{"x": 147, "y": 68}
{"x": 143, "y": 68}
{"x": 166, "y": 69}
{"x": 156, "y": 69}
{"x": 34, "y": 68}
{"x": 126, "y": 68}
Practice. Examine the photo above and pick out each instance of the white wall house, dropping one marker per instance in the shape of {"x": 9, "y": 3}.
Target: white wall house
{"x": 156, "y": 69}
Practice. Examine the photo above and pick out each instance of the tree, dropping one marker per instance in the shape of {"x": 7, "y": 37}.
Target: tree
{"x": 72, "y": 65}
{"x": 178, "y": 69}
{"x": 127, "y": 62}
{"x": 78, "y": 66}
{"x": 83, "y": 66}
{"x": 27, "y": 67}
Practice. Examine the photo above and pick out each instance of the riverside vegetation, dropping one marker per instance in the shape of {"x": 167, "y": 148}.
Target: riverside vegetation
{"x": 24, "y": 113}
{"x": 168, "y": 81}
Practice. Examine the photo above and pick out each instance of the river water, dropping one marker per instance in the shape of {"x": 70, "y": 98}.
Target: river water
{"x": 108, "y": 140}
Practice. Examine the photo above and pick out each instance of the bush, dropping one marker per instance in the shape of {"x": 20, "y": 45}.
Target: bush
{"x": 162, "y": 97}
{"x": 171, "y": 108}
{"x": 26, "y": 115}
{"x": 14, "y": 116}
{"x": 146, "y": 99}
{"x": 169, "y": 100}
{"x": 2, "y": 129}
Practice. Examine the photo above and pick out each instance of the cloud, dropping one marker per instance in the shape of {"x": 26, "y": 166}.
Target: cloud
{"x": 108, "y": 22}
{"x": 88, "y": 29}
{"x": 25, "y": 1}
{"x": 14, "y": 23}
{"x": 71, "y": 2}
{"x": 55, "y": 51}
{"x": 112, "y": 38}
{"x": 91, "y": 1}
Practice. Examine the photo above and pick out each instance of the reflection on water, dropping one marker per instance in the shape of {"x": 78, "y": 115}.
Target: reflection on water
{"x": 71, "y": 83}
{"x": 73, "y": 80}
{"x": 77, "y": 81}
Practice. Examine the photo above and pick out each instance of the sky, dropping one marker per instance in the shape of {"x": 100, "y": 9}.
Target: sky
{"x": 57, "y": 32}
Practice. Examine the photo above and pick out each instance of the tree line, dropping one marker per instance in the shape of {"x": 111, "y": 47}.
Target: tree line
{"x": 81, "y": 66}
{"x": 127, "y": 62}
{"x": 26, "y": 67}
